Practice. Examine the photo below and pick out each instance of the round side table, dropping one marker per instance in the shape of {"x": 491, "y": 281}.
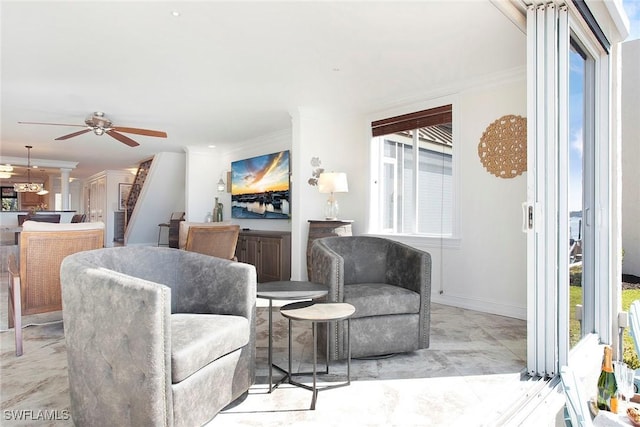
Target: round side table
{"x": 316, "y": 313}
{"x": 286, "y": 290}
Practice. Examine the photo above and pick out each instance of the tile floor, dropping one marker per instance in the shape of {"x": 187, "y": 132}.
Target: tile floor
{"x": 470, "y": 376}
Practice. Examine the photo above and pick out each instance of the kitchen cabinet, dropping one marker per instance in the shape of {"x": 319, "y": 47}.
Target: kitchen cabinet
{"x": 30, "y": 201}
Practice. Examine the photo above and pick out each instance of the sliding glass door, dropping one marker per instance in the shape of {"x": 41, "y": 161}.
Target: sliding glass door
{"x": 568, "y": 200}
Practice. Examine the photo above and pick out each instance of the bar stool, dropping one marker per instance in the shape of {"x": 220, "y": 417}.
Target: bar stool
{"x": 175, "y": 216}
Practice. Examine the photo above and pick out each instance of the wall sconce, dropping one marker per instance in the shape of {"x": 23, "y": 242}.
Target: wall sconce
{"x": 224, "y": 186}
{"x": 330, "y": 183}
{"x": 221, "y": 186}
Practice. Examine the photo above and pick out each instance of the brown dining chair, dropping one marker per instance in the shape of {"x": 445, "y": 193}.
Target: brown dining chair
{"x": 35, "y": 284}
{"x": 15, "y": 306}
{"x": 22, "y": 218}
{"x": 78, "y": 218}
{"x": 218, "y": 241}
{"x": 53, "y": 218}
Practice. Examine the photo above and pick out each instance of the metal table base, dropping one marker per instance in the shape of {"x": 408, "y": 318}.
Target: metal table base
{"x": 314, "y": 388}
{"x": 285, "y": 290}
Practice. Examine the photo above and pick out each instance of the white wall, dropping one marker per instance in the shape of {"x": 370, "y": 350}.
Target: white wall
{"x": 206, "y": 167}
{"x": 485, "y": 269}
{"x": 488, "y": 270}
{"x": 203, "y": 168}
{"x": 162, "y": 193}
{"x": 340, "y": 139}
{"x": 631, "y": 157}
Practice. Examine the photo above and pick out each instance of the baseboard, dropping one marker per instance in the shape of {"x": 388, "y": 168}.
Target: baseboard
{"x": 484, "y": 306}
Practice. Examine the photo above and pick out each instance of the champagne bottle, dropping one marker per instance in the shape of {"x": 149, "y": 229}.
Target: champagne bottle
{"x": 607, "y": 386}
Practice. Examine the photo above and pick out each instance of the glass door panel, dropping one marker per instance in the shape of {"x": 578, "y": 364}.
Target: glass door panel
{"x": 581, "y": 172}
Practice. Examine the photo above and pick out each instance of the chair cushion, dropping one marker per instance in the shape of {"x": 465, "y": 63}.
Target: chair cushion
{"x": 199, "y": 339}
{"x": 376, "y": 299}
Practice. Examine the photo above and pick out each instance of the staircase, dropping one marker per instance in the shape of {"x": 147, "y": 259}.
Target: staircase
{"x": 138, "y": 182}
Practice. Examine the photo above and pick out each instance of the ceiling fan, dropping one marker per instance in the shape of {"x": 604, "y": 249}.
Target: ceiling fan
{"x": 100, "y": 124}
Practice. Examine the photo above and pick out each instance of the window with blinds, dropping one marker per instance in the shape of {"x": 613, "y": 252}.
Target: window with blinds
{"x": 416, "y": 172}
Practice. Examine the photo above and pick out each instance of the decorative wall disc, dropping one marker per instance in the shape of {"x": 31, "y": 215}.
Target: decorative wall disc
{"x": 503, "y": 147}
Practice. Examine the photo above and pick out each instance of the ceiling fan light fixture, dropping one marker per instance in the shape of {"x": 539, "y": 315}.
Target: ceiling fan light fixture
{"x": 100, "y": 124}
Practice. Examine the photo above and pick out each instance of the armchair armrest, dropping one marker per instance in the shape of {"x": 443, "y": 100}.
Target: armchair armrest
{"x": 121, "y": 324}
{"x": 328, "y": 269}
{"x": 409, "y": 268}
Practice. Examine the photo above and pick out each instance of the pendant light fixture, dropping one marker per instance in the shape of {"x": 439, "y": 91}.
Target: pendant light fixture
{"x": 28, "y": 187}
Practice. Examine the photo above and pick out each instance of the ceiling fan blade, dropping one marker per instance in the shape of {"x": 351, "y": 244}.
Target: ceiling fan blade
{"x": 71, "y": 135}
{"x": 52, "y": 124}
{"x": 138, "y": 131}
{"x": 120, "y": 137}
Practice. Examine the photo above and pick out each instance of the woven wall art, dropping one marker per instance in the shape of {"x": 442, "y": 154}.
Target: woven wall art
{"x": 503, "y": 147}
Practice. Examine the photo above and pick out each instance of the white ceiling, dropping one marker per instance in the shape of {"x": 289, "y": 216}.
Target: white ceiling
{"x": 225, "y": 72}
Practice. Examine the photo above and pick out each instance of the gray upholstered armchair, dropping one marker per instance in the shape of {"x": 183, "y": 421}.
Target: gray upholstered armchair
{"x": 389, "y": 284}
{"x": 156, "y": 336}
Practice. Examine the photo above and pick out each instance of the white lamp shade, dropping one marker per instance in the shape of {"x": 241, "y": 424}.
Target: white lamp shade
{"x": 333, "y": 182}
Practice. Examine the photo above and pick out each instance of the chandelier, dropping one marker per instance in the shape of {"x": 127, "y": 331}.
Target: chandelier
{"x": 28, "y": 187}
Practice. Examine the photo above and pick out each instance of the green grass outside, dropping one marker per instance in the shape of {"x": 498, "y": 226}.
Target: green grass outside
{"x": 628, "y": 296}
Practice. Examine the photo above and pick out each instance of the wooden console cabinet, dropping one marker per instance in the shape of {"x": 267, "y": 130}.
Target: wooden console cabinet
{"x": 268, "y": 251}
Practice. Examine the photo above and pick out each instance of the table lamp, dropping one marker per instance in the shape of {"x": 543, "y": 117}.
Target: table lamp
{"x": 332, "y": 182}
